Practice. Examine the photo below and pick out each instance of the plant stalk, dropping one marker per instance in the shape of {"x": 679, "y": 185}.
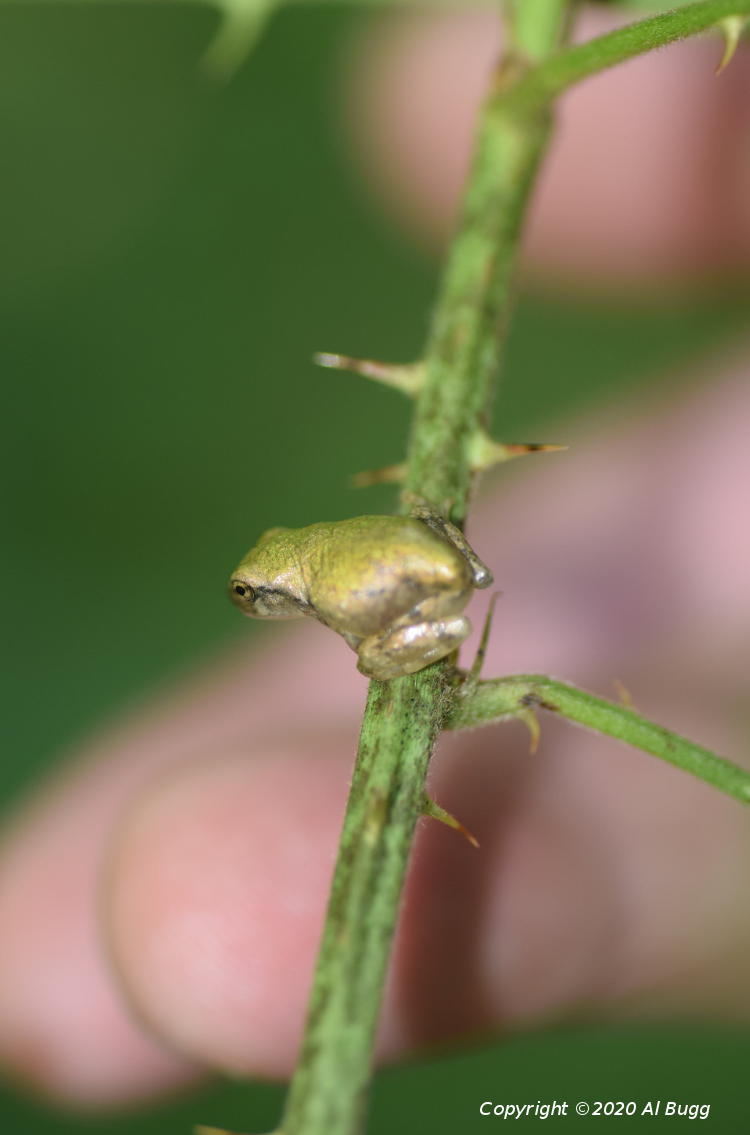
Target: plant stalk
{"x": 502, "y": 699}
{"x": 568, "y": 68}
{"x": 403, "y": 716}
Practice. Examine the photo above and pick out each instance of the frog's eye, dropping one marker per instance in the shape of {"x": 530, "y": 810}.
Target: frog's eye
{"x": 242, "y": 590}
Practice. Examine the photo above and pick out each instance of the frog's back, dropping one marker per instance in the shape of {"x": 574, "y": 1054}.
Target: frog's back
{"x": 364, "y": 572}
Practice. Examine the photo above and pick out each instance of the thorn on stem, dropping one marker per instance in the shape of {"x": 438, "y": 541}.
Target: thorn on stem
{"x": 484, "y": 452}
{"x": 623, "y": 694}
{"x": 240, "y": 26}
{"x": 430, "y": 808}
{"x": 406, "y": 377}
{"x": 386, "y": 475}
{"x": 201, "y": 1129}
{"x": 530, "y": 720}
{"x": 522, "y": 448}
{"x": 476, "y": 667}
{"x": 731, "y": 27}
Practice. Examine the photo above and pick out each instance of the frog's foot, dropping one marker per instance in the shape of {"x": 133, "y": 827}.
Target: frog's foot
{"x": 406, "y": 649}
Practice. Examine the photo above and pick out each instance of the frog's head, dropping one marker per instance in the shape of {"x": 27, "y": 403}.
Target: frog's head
{"x": 265, "y": 583}
{"x": 260, "y": 600}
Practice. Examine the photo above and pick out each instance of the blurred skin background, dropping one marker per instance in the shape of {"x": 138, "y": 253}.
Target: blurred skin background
{"x": 173, "y": 254}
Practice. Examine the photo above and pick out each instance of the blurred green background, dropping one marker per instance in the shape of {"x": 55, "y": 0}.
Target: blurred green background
{"x": 172, "y": 254}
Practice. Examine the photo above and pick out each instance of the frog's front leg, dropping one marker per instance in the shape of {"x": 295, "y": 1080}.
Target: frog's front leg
{"x": 406, "y": 648}
{"x": 421, "y": 510}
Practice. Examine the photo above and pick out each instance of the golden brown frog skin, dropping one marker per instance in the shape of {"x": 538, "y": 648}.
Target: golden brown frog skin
{"x": 393, "y": 586}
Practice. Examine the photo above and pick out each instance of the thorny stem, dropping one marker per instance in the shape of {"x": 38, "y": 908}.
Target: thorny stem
{"x": 475, "y": 301}
{"x": 241, "y": 22}
{"x": 403, "y": 716}
{"x": 502, "y": 699}
{"x": 567, "y": 68}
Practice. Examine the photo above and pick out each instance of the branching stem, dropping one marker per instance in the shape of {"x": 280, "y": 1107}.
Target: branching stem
{"x": 404, "y": 716}
{"x": 567, "y": 68}
{"x": 502, "y": 699}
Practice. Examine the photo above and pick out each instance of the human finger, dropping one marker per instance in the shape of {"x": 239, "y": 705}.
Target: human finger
{"x": 620, "y": 582}
{"x": 646, "y": 179}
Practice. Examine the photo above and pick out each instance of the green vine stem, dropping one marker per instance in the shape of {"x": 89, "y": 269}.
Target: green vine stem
{"x": 242, "y": 21}
{"x": 502, "y": 699}
{"x": 572, "y": 66}
{"x": 403, "y": 717}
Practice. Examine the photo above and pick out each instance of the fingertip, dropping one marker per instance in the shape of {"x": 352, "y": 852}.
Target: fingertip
{"x": 217, "y": 894}
{"x": 215, "y": 903}
{"x": 65, "y": 1031}
{"x": 63, "y": 1034}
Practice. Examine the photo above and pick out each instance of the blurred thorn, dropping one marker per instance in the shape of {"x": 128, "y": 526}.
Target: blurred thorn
{"x": 530, "y": 720}
{"x": 430, "y": 808}
{"x": 406, "y": 377}
{"x": 476, "y": 666}
{"x": 484, "y": 452}
{"x": 385, "y": 476}
{"x": 731, "y": 27}
{"x": 240, "y": 25}
{"x": 623, "y": 694}
{"x": 200, "y": 1129}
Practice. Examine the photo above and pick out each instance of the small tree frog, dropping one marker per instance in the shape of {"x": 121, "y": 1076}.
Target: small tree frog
{"x": 393, "y": 586}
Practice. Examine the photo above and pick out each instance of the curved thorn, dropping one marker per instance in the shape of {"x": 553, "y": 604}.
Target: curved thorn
{"x": 430, "y": 808}
{"x": 731, "y": 28}
{"x": 239, "y": 28}
{"x": 531, "y": 721}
